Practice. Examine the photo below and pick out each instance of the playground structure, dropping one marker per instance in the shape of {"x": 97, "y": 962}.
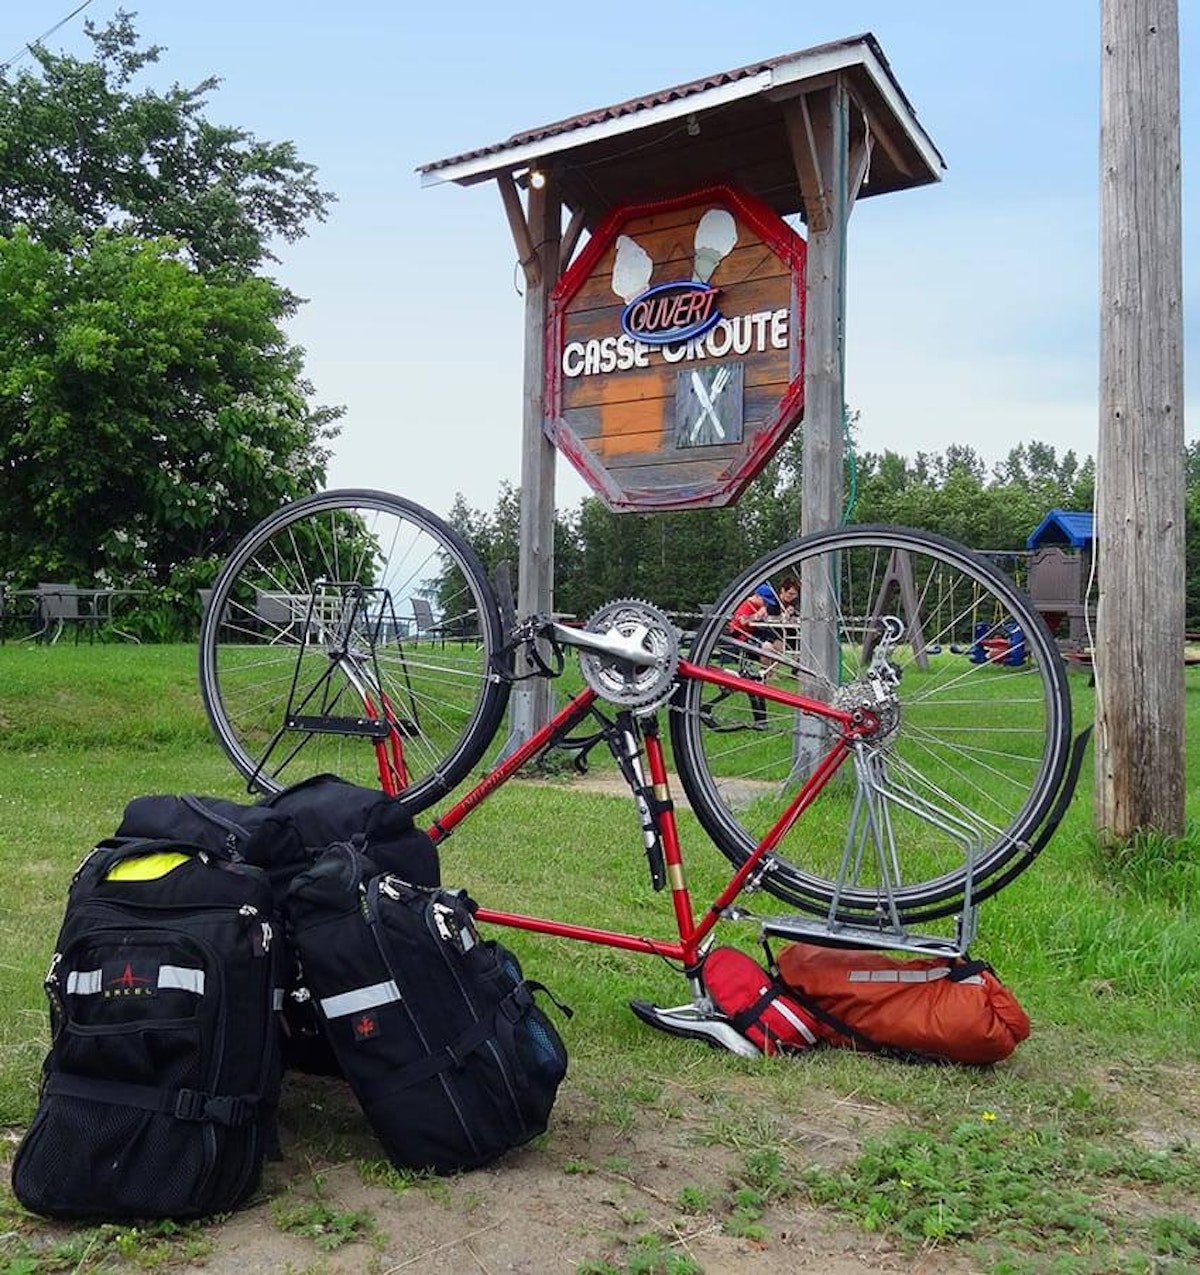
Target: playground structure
{"x": 1060, "y": 569}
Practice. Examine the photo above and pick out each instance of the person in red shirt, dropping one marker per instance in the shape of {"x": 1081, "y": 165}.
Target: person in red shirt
{"x": 751, "y": 619}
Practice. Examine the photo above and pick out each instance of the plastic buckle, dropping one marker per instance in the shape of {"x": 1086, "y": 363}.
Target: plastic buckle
{"x": 190, "y": 1104}
{"x": 229, "y": 1111}
{"x": 517, "y": 1003}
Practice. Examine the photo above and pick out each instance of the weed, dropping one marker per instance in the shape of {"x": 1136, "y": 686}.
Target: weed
{"x": 1175, "y": 1236}
{"x": 151, "y": 1246}
{"x": 651, "y": 1255}
{"x": 1154, "y": 867}
{"x": 315, "y": 1218}
{"x": 694, "y": 1200}
{"x": 381, "y": 1173}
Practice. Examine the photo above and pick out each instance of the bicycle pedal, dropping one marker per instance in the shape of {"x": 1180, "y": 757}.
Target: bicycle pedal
{"x": 688, "y": 1020}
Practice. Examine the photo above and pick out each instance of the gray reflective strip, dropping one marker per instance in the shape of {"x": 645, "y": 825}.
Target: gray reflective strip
{"x": 795, "y": 1020}
{"x": 182, "y": 977}
{"x": 84, "y": 982}
{"x": 359, "y": 998}
{"x": 277, "y": 999}
{"x": 907, "y": 976}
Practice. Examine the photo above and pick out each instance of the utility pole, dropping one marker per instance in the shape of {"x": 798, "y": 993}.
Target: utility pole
{"x": 1140, "y": 487}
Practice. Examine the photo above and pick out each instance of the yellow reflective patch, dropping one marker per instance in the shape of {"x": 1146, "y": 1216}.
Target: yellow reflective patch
{"x": 147, "y": 867}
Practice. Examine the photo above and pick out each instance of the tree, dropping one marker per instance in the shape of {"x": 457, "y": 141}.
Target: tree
{"x": 151, "y": 407}
{"x": 80, "y": 149}
{"x": 148, "y": 413}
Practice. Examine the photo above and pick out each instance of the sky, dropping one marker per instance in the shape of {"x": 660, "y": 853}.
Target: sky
{"x": 973, "y": 303}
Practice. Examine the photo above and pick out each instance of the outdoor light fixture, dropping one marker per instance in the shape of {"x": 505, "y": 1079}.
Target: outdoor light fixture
{"x": 715, "y": 236}
{"x": 537, "y": 179}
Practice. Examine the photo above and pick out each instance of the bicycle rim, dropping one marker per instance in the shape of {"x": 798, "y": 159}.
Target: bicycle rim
{"x": 970, "y": 754}
{"x": 341, "y": 611}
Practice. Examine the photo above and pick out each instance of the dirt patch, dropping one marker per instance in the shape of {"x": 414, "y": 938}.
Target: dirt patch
{"x": 590, "y": 1194}
{"x": 587, "y": 1192}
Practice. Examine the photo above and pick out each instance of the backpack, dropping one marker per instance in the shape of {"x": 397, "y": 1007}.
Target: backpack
{"x": 283, "y": 834}
{"x": 755, "y": 1003}
{"x": 926, "y": 1009}
{"x": 159, "y": 1090}
{"x": 435, "y": 1028}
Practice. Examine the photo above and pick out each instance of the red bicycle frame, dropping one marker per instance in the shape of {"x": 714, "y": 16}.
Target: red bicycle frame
{"x": 692, "y": 931}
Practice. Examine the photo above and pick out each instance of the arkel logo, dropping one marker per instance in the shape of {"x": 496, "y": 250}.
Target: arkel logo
{"x": 128, "y": 983}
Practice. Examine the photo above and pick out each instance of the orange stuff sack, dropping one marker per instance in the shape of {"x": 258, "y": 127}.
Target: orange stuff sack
{"x": 934, "y": 1008}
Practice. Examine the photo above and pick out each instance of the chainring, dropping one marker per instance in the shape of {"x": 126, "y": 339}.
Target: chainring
{"x": 620, "y": 682}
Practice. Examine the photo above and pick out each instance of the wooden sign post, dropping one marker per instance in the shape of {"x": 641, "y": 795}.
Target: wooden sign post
{"x": 670, "y": 362}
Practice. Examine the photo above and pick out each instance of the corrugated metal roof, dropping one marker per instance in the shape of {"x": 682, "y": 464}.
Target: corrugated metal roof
{"x": 663, "y": 97}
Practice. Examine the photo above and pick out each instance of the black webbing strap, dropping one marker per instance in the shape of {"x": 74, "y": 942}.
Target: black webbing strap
{"x": 183, "y": 1104}
{"x": 968, "y": 969}
{"x": 752, "y": 1014}
{"x": 512, "y": 1009}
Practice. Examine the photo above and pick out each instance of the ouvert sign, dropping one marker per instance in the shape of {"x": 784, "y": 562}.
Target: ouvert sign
{"x": 675, "y": 363}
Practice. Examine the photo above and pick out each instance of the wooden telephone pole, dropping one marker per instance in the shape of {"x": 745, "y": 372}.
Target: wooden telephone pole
{"x": 1140, "y": 488}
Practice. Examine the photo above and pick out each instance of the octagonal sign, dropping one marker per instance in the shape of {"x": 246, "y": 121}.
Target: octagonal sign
{"x": 674, "y": 359}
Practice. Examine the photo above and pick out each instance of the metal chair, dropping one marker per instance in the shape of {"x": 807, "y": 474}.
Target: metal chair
{"x": 58, "y": 606}
{"x": 426, "y": 626}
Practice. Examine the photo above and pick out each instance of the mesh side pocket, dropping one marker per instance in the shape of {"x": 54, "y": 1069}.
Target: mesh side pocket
{"x": 94, "y": 1159}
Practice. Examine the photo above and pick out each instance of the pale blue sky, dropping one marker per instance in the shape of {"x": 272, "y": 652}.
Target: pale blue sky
{"x": 973, "y": 303}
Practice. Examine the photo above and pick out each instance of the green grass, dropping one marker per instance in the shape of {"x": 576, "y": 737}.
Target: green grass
{"x": 1101, "y": 1106}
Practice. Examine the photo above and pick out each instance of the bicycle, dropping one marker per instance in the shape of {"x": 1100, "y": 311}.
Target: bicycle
{"x": 873, "y": 780}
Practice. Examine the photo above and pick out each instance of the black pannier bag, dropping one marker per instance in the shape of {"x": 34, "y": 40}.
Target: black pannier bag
{"x": 266, "y": 838}
{"x": 435, "y": 1028}
{"x": 326, "y": 809}
{"x": 283, "y": 834}
{"x": 159, "y": 1090}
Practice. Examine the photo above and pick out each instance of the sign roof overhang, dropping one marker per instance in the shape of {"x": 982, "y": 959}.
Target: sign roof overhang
{"x": 731, "y": 123}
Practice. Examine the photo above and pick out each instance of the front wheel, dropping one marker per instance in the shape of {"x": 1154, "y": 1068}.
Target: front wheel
{"x": 353, "y": 632}
{"x": 935, "y": 806}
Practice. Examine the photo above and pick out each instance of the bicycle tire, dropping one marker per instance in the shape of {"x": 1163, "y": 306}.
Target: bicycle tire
{"x": 313, "y": 603}
{"x": 941, "y": 806}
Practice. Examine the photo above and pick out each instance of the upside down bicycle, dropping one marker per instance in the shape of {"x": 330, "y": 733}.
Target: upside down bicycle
{"x": 872, "y": 775}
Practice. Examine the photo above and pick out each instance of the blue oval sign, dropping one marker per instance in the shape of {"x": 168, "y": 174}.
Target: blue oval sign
{"x": 671, "y": 312}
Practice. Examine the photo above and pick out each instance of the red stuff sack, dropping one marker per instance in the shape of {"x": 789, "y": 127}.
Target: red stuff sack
{"x": 933, "y": 1008}
{"x": 756, "y": 1004}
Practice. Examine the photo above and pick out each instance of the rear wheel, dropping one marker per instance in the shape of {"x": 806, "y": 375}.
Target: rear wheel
{"x": 972, "y": 747}
{"x": 340, "y": 612}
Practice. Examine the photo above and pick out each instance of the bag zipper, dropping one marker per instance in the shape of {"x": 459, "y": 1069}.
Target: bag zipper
{"x": 233, "y": 830}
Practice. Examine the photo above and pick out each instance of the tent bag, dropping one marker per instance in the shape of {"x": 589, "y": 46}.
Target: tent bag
{"x": 953, "y": 1010}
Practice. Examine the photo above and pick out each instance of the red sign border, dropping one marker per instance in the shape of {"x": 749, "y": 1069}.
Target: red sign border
{"x": 729, "y": 485}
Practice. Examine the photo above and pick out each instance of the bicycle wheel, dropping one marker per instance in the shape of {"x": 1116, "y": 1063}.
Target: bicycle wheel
{"x": 972, "y": 744}
{"x": 319, "y": 643}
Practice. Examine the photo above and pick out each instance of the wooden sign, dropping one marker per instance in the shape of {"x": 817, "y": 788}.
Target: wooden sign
{"x": 674, "y": 358}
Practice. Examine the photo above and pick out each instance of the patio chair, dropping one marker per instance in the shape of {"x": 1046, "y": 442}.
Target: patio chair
{"x": 59, "y": 606}
{"x": 423, "y": 622}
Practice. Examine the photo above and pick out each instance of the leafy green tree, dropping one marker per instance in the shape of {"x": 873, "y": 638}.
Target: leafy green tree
{"x": 151, "y": 407}
{"x": 148, "y": 413}
{"x": 81, "y": 149}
